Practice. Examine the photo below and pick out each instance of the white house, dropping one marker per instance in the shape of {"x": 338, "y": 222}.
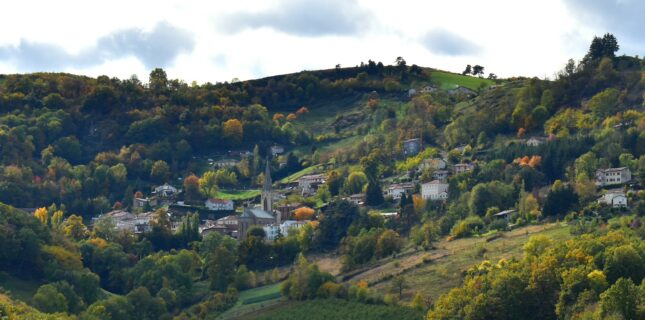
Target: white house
{"x": 273, "y": 230}
{"x": 464, "y": 167}
{"x": 165, "y": 191}
{"x": 219, "y": 205}
{"x": 397, "y": 190}
{"x": 224, "y": 163}
{"x": 357, "y": 199}
{"x": 123, "y": 220}
{"x": 276, "y": 150}
{"x": 428, "y": 89}
{"x": 535, "y": 141}
{"x": 434, "y": 190}
{"x": 614, "y": 198}
{"x": 613, "y": 176}
{"x": 309, "y": 183}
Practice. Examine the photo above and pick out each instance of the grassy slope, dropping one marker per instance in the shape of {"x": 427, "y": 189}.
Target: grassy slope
{"x": 19, "y": 288}
{"x": 254, "y": 299}
{"x": 329, "y": 309}
{"x": 295, "y": 176}
{"x": 447, "y": 80}
{"x": 238, "y": 194}
{"x": 448, "y": 262}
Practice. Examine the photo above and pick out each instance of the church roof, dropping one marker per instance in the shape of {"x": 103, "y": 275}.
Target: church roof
{"x": 257, "y": 213}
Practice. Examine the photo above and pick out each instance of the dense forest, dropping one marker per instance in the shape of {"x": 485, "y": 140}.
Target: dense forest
{"x": 73, "y": 148}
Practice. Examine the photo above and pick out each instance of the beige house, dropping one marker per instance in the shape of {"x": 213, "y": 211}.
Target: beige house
{"x": 613, "y": 176}
{"x": 397, "y": 190}
{"x": 434, "y": 190}
{"x": 464, "y": 167}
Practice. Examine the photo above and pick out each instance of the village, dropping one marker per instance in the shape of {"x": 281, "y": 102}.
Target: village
{"x": 276, "y": 215}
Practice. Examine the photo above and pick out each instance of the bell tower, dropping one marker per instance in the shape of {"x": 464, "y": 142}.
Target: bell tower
{"x": 267, "y": 190}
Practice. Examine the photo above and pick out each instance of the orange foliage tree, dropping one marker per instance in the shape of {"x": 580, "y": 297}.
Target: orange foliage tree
{"x": 533, "y": 161}
{"x": 303, "y": 213}
{"x": 302, "y": 111}
{"x": 234, "y": 131}
{"x": 278, "y": 117}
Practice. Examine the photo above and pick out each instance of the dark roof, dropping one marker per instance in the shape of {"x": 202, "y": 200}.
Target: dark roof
{"x": 222, "y": 201}
{"x": 257, "y": 213}
{"x": 505, "y": 212}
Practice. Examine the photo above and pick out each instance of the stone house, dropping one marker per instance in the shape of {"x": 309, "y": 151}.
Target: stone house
{"x": 434, "y": 190}
{"x": 613, "y": 176}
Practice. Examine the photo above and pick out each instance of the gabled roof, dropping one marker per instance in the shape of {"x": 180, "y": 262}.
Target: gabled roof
{"x": 435, "y": 182}
{"x": 613, "y": 169}
{"x": 505, "y": 212}
{"x": 312, "y": 176}
{"x": 220, "y": 201}
{"x": 257, "y": 213}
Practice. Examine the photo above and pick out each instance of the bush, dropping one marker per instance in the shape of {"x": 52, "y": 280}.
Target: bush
{"x": 467, "y": 227}
{"x": 498, "y": 224}
{"x": 49, "y": 299}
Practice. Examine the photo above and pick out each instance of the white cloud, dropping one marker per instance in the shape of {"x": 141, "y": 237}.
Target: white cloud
{"x": 255, "y": 38}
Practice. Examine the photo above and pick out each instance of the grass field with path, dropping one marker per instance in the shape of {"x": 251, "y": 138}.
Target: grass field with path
{"x": 447, "y": 80}
{"x": 254, "y": 299}
{"x": 239, "y": 194}
{"x": 329, "y": 309}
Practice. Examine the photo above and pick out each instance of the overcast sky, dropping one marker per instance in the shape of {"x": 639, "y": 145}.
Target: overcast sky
{"x": 209, "y": 41}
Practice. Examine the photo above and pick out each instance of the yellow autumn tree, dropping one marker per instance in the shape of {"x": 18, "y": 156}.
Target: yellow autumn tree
{"x": 42, "y": 214}
{"x": 419, "y": 203}
{"x": 208, "y": 184}
{"x": 74, "y": 228}
{"x": 234, "y": 131}
{"x": 57, "y": 219}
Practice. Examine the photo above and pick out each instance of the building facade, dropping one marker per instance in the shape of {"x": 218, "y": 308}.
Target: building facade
{"x": 464, "y": 167}
{"x": 613, "y": 176}
{"x": 219, "y": 205}
{"x": 397, "y": 190}
{"x": 614, "y": 198}
{"x": 434, "y": 190}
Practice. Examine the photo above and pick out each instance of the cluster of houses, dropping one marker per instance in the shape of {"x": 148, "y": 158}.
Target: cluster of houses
{"x": 220, "y": 214}
{"x": 457, "y": 90}
{"x": 612, "y": 177}
{"x": 233, "y": 158}
{"x": 217, "y": 215}
{"x": 161, "y": 196}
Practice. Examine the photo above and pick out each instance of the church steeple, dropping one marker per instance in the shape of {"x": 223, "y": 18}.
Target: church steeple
{"x": 267, "y": 192}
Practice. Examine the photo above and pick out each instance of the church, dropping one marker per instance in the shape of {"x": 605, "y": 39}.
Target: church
{"x": 262, "y": 215}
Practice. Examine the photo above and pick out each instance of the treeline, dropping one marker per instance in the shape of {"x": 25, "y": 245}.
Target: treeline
{"x": 593, "y": 276}
{"x": 110, "y": 274}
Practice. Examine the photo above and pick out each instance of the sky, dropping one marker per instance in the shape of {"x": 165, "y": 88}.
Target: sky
{"x": 217, "y": 41}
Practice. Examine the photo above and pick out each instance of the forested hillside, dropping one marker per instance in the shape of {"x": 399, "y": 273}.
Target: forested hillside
{"x": 382, "y": 169}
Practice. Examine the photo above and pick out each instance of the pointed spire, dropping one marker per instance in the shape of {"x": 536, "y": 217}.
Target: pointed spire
{"x": 267, "y": 177}
{"x": 267, "y": 192}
